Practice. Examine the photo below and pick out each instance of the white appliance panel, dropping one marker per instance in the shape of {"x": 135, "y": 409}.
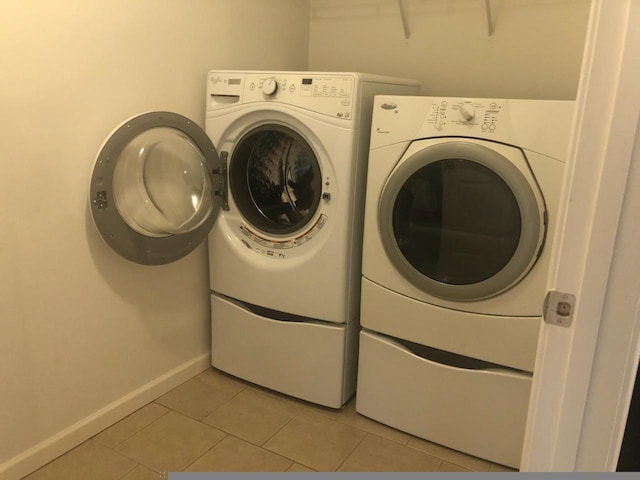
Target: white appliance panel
{"x": 540, "y": 126}
{"x": 503, "y": 339}
{"x": 479, "y": 412}
{"x": 523, "y": 299}
{"x": 302, "y": 359}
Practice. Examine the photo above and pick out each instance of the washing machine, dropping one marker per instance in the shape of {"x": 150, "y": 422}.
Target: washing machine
{"x": 285, "y": 255}
{"x": 461, "y": 206}
{"x": 275, "y": 182}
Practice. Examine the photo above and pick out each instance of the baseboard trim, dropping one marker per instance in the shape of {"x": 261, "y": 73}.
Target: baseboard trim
{"x": 54, "y": 446}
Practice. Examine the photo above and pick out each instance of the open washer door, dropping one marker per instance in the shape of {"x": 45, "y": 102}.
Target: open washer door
{"x": 157, "y": 187}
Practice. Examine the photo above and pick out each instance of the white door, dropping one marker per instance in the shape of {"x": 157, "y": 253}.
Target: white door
{"x": 608, "y": 108}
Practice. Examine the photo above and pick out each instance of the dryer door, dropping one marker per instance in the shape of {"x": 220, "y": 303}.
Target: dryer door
{"x": 275, "y": 180}
{"x": 156, "y": 188}
{"x": 461, "y": 221}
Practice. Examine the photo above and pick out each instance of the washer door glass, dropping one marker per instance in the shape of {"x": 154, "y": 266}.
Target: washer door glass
{"x": 161, "y": 185}
{"x": 156, "y": 188}
{"x": 275, "y": 179}
{"x": 463, "y": 223}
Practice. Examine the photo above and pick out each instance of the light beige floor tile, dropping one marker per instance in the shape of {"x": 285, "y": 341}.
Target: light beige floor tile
{"x": 143, "y": 473}
{"x": 316, "y": 441}
{"x": 253, "y": 415}
{"x": 453, "y": 456}
{"x": 296, "y": 467}
{"x": 377, "y": 454}
{"x": 353, "y": 418}
{"x": 201, "y": 395}
{"x": 451, "y": 467}
{"x": 171, "y": 443}
{"x": 88, "y": 460}
{"x": 495, "y": 467}
{"x": 126, "y": 427}
{"x": 235, "y": 455}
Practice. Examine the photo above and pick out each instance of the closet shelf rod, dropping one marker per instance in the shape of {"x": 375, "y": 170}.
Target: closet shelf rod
{"x": 403, "y": 17}
{"x": 487, "y": 4}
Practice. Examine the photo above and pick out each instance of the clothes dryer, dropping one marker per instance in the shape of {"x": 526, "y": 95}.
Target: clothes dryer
{"x": 461, "y": 206}
{"x": 276, "y": 183}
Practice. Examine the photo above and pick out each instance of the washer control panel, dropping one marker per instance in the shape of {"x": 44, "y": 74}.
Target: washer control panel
{"x": 482, "y": 114}
{"x": 328, "y": 94}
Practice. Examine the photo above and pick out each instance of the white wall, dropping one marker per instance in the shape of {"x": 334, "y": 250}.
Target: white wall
{"x": 85, "y": 336}
{"x": 534, "y": 52}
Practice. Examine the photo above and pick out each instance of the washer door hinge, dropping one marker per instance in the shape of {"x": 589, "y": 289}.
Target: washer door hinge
{"x": 222, "y": 171}
{"x": 558, "y": 308}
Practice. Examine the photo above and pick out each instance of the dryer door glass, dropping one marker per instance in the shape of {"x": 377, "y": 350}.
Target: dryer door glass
{"x": 275, "y": 179}
{"x": 457, "y": 222}
{"x": 461, "y": 221}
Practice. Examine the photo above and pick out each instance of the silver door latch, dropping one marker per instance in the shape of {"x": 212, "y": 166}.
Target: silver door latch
{"x": 558, "y": 308}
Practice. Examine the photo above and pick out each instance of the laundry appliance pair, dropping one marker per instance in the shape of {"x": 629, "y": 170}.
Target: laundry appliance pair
{"x": 276, "y": 184}
{"x": 461, "y": 209}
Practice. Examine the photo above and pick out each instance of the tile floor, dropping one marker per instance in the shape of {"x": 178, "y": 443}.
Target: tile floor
{"x": 215, "y": 422}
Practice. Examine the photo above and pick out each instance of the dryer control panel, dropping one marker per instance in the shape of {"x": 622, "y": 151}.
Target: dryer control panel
{"x": 327, "y": 94}
{"x": 540, "y": 125}
{"x": 479, "y": 113}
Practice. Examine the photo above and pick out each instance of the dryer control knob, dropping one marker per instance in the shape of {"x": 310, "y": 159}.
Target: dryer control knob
{"x": 467, "y": 112}
{"x": 270, "y": 87}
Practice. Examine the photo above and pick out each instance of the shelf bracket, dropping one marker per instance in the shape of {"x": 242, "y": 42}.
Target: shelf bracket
{"x": 487, "y": 4}
{"x": 403, "y": 17}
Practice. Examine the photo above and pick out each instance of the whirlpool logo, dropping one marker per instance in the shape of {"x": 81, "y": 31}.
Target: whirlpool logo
{"x": 390, "y": 107}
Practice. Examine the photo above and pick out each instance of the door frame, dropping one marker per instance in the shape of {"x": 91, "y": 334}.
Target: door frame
{"x": 600, "y": 152}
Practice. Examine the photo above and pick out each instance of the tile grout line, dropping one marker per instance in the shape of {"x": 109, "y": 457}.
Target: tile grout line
{"x": 352, "y": 451}
{"x": 138, "y": 431}
{"x": 169, "y": 410}
{"x": 263, "y": 446}
{"x": 448, "y": 460}
{"x": 300, "y": 412}
{"x": 278, "y": 431}
{"x": 403, "y": 443}
{"x": 227, "y": 434}
{"x": 129, "y": 471}
{"x": 208, "y": 449}
{"x": 206, "y": 415}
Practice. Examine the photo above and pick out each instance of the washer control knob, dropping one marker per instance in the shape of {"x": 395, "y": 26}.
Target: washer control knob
{"x": 467, "y": 112}
{"x": 270, "y": 87}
